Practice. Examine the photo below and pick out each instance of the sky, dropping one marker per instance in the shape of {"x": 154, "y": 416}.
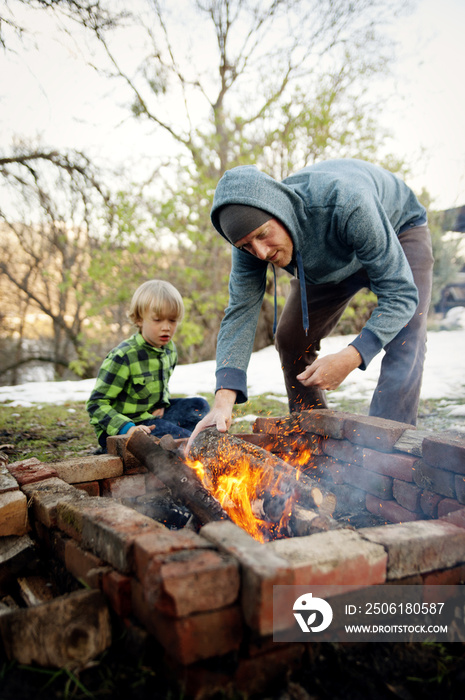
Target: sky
{"x": 52, "y": 94}
{"x": 444, "y": 377}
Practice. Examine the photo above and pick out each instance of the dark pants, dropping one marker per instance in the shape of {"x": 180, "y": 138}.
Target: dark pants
{"x": 398, "y": 390}
{"x": 179, "y": 419}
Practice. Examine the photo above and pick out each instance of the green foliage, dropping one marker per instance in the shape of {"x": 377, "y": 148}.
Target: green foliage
{"x": 357, "y": 313}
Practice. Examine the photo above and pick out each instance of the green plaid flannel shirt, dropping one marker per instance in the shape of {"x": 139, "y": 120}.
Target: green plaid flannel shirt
{"x": 132, "y": 382}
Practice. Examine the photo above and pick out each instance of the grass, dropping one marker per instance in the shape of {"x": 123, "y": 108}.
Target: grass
{"x": 52, "y": 432}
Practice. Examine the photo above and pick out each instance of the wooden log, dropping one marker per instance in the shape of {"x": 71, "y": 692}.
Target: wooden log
{"x": 67, "y": 632}
{"x": 212, "y": 448}
{"x": 184, "y": 485}
{"x": 17, "y": 554}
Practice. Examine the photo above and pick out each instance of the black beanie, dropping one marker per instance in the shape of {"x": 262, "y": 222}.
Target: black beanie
{"x": 238, "y": 220}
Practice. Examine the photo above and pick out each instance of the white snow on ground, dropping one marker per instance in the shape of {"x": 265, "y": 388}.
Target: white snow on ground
{"x": 444, "y": 376}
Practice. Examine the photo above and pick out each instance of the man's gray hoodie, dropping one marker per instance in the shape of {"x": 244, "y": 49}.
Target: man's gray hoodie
{"x": 342, "y": 216}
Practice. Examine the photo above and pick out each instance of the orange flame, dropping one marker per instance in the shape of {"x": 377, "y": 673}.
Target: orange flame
{"x": 240, "y": 489}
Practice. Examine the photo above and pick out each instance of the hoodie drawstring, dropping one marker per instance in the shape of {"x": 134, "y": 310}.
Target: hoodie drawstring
{"x": 303, "y": 292}
{"x": 275, "y": 320}
{"x": 303, "y": 296}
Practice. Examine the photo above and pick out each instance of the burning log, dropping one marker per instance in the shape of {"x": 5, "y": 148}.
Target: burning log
{"x": 215, "y": 450}
{"x": 182, "y": 482}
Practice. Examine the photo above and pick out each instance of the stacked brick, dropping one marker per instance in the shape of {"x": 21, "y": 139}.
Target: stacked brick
{"x": 210, "y": 594}
{"x": 400, "y": 474}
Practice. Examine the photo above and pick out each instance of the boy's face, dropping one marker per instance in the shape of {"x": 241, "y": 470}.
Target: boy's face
{"x": 155, "y": 330}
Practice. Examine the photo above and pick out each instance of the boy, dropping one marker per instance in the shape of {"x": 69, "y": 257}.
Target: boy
{"x": 131, "y": 392}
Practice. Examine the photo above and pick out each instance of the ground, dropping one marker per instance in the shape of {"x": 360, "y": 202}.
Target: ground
{"x": 136, "y": 670}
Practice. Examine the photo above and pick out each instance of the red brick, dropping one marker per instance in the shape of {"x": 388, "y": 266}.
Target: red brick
{"x": 30, "y": 471}
{"x": 399, "y": 466}
{"x": 459, "y": 483}
{"x": 106, "y": 527}
{"x": 77, "y": 470}
{"x": 285, "y": 425}
{"x": 191, "y": 581}
{"x": 161, "y": 542}
{"x": 448, "y": 505}
{"x": 336, "y": 470}
{"x": 457, "y": 518}
{"x": 7, "y": 481}
{"x": 429, "y": 503}
{"x": 433, "y": 479}
{"x": 13, "y": 514}
{"x": 127, "y": 486}
{"x": 194, "y": 638}
{"x": 332, "y": 558}
{"x": 418, "y": 547}
{"x": 261, "y": 570}
{"x": 92, "y": 488}
{"x": 445, "y": 451}
{"x": 378, "y": 433}
{"x": 445, "y": 577}
{"x": 324, "y": 422}
{"x": 318, "y": 466}
{"x": 344, "y": 450}
{"x": 407, "y": 495}
{"x": 391, "y": 511}
{"x": 81, "y": 563}
{"x": 46, "y": 496}
{"x": 371, "y": 482}
{"x": 117, "y": 589}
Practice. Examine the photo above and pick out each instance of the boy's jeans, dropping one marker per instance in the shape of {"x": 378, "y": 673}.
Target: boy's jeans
{"x": 179, "y": 419}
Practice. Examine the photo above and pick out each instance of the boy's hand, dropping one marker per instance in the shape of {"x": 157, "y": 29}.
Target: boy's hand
{"x": 219, "y": 417}
{"x": 158, "y": 412}
{"x": 145, "y": 429}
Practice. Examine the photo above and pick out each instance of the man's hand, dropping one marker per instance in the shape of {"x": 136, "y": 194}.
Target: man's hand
{"x": 219, "y": 417}
{"x": 330, "y": 371}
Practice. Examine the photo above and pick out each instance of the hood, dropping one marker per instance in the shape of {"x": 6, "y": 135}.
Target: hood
{"x": 246, "y": 184}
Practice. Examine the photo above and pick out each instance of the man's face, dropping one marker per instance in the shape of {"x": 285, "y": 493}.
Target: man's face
{"x": 270, "y": 242}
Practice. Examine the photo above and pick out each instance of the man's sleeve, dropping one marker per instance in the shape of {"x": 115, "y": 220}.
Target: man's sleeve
{"x": 247, "y": 284}
{"x": 369, "y": 232}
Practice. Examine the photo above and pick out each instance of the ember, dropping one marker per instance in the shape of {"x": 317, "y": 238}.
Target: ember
{"x": 256, "y": 488}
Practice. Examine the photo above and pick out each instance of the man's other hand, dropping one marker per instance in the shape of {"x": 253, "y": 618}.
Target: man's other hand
{"x": 330, "y": 371}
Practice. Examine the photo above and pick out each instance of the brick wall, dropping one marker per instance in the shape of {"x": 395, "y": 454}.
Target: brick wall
{"x": 209, "y": 594}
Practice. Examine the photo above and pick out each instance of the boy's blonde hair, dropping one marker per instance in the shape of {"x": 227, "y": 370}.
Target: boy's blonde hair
{"x": 158, "y": 297}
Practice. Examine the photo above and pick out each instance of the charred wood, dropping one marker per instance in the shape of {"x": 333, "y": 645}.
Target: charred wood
{"x": 215, "y": 450}
{"x": 184, "y": 485}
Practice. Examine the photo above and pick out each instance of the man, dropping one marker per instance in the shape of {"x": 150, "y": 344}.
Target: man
{"x": 338, "y": 226}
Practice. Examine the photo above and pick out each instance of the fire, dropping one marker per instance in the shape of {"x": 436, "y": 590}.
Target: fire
{"x": 245, "y": 494}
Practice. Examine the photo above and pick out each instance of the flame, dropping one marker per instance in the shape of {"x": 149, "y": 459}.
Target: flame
{"x": 242, "y": 489}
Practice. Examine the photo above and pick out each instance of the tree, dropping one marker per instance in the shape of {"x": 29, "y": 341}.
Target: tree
{"x": 51, "y": 208}
{"x": 278, "y": 83}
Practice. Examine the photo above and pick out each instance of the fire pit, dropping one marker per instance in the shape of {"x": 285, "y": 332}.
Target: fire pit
{"x": 204, "y": 590}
